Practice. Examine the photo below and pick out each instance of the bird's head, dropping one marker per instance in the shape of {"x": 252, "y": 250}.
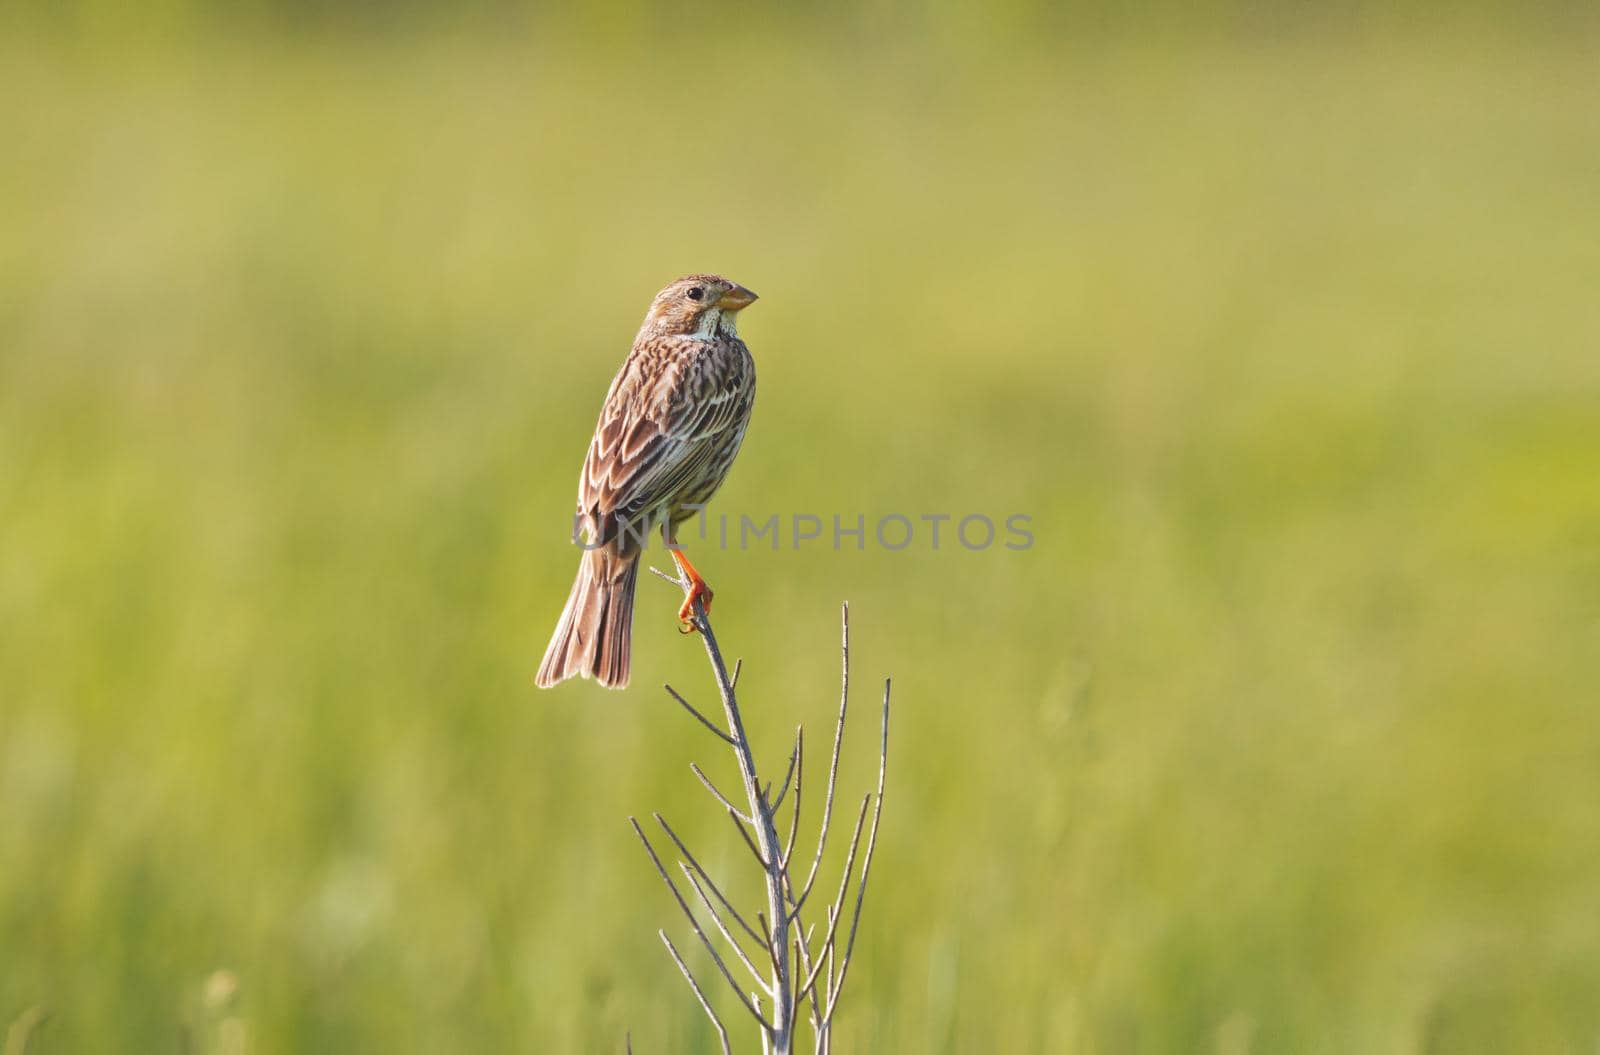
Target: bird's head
{"x": 699, "y": 306}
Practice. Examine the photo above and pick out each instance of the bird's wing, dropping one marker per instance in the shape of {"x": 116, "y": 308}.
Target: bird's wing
{"x": 653, "y": 440}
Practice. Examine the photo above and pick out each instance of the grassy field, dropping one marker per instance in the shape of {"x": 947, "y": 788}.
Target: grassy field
{"x": 1281, "y": 737}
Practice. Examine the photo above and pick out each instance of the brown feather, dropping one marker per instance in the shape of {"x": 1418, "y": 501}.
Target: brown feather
{"x": 592, "y": 639}
{"x": 671, "y": 425}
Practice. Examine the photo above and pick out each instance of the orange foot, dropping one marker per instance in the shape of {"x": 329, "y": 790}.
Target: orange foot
{"x": 698, "y": 591}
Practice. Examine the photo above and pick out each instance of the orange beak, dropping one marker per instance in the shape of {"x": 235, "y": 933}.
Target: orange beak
{"x": 736, "y": 298}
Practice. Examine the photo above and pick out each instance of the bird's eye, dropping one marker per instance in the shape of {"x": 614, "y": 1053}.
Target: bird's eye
{"x": 695, "y": 293}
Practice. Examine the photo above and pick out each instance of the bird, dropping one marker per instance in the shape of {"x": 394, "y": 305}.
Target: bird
{"x": 670, "y": 427}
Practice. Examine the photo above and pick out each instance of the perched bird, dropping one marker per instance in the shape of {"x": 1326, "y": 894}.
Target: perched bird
{"x": 668, "y": 432}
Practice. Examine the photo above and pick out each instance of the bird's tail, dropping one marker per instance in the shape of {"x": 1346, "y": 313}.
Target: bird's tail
{"x": 593, "y": 639}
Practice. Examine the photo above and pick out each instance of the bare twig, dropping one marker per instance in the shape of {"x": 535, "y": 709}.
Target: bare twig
{"x": 726, "y": 904}
{"x": 773, "y": 955}
{"x": 825, "y": 1031}
{"x": 866, "y": 862}
{"x": 737, "y": 817}
{"x": 695, "y": 925}
{"x": 795, "y": 757}
{"x": 702, "y": 719}
{"x": 836, "y": 909}
{"x": 673, "y": 579}
{"x": 716, "y": 918}
{"x": 794, "y": 818}
{"x": 798, "y": 970}
{"x": 833, "y": 764}
{"x": 719, "y": 796}
{"x": 722, "y": 1032}
{"x": 802, "y": 946}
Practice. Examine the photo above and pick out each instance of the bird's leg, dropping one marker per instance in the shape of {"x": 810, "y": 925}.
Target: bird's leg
{"x": 698, "y": 590}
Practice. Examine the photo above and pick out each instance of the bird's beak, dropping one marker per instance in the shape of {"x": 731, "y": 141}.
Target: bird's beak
{"x": 736, "y": 298}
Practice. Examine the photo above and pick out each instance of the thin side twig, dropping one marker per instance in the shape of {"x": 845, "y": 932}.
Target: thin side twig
{"x": 694, "y": 923}
{"x": 705, "y": 877}
{"x": 833, "y": 764}
{"x": 737, "y": 817}
{"x": 802, "y": 945}
{"x": 722, "y": 928}
{"x": 794, "y": 760}
{"x": 673, "y": 579}
{"x": 836, "y": 910}
{"x": 794, "y": 818}
{"x": 719, "y": 796}
{"x": 866, "y": 862}
{"x": 699, "y": 994}
{"x": 772, "y": 953}
{"x": 702, "y": 719}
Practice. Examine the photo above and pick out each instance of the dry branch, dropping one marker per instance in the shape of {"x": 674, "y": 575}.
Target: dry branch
{"x": 798, "y": 968}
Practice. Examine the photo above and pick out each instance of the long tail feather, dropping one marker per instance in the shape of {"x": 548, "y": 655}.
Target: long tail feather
{"x": 594, "y": 637}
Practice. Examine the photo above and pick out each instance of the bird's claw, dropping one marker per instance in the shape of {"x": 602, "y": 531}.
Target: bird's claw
{"x": 698, "y": 591}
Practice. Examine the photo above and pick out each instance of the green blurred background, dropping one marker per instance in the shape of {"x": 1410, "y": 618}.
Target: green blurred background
{"x": 1281, "y": 325}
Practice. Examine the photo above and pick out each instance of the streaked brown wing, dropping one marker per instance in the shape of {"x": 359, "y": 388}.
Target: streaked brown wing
{"x": 648, "y": 450}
